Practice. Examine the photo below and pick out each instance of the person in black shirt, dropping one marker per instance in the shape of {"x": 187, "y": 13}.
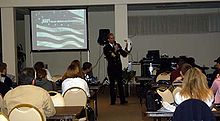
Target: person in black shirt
{"x": 3, "y": 89}
{"x": 5, "y": 82}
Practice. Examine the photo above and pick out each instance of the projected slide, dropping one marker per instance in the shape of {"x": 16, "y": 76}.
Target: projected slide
{"x": 59, "y": 29}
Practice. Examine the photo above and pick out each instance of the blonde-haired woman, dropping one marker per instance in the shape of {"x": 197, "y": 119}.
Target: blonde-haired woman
{"x": 195, "y": 86}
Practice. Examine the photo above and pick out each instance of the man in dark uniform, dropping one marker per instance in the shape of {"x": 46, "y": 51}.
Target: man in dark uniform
{"x": 112, "y": 51}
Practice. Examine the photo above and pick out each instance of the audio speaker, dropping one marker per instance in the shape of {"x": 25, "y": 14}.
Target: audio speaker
{"x": 102, "y": 39}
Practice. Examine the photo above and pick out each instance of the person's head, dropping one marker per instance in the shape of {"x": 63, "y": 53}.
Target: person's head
{"x": 111, "y": 38}
{"x": 184, "y": 68}
{"x": 195, "y": 85}
{"x": 191, "y": 61}
{"x": 87, "y": 67}
{"x": 73, "y": 71}
{"x": 217, "y": 63}
{"x": 39, "y": 65}
{"x": 26, "y": 76}
{"x": 3, "y": 68}
{"x": 41, "y": 74}
{"x": 181, "y": 60}
{"x": 75, "y": 62}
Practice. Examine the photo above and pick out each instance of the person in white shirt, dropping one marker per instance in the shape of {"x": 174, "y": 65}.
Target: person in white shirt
{"x": 73, "y": 78}
{"x": 75, "y": 82}
{"x": 195, "y": 86}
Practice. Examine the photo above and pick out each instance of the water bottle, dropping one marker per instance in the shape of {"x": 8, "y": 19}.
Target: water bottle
{"x": 151, "y": 69}
{"x": 129, "y": 67}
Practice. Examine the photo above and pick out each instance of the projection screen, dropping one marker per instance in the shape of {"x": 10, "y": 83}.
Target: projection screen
{"x": 57, "y": 30}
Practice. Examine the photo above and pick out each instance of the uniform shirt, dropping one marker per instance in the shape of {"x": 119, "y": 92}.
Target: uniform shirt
{"x": 179, "y": 99}
{"x": 29, "y": 94}
{"x": 75, "y": 82}
{"x": 216, "y": 89}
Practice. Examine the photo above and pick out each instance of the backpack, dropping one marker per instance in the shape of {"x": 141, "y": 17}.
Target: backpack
{"x": 153, "y": 100}
{"x": 91, "y": 114}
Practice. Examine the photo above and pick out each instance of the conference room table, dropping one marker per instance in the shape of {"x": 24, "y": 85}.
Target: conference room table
{"x": 66, "y": 113}
{"x": 141, "y": 88}
{"x": 94, "y": 89}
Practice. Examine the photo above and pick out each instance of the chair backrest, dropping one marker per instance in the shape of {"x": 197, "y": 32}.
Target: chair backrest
{"x": 3, "y": 117}
{"x": 163, "y": 76}
{"x": 176, "y": 89}
{"x": 57, "y": 99}
{"x": 26, "y": 112}
{"x": 193, "y": 110}
{"x": 166, "y": 95}
{"x": 75, "y": 96}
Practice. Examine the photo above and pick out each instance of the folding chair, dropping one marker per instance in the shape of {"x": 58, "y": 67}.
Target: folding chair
{"x": 3, "y": 117}
{"x": 57, "y": 99}
{"x": 166, "y": 95}
{"x": 26, "y": 112}
{"x": 76, "y": 96}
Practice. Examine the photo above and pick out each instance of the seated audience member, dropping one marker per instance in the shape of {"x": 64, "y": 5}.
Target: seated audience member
{"x": 5, "y": 82}
{"x": 4, "y": 78}
{"x": 76, "y": 63}
{"x": 87, "y": 69}
{"x": 195, "y": 86}
{"x": 40, "y": 65}
{"x": 184, "y": 68}
{"x": 4, "y": 89}
{"x": 88, "y": 74}
{"x": 176, "y": 73}
{"x": 217, "y": 69}
{"x": 42, "y": 81}
{"x": 73, "y": 78}
{"x": 27, "y": 93}
{"x": 165, "y": 66}
{"x": 216, "y": 89}
{"x": 192, "y": 61}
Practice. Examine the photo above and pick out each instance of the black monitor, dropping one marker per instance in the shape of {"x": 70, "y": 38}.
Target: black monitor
{"x": 153, "y": 54}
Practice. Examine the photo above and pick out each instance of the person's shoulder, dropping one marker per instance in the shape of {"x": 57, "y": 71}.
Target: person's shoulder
{"x": 79, "y": 79}
{"x": 217, "y": 80}
{"x": 178, "y": 98}
{"x": 67, "y": 80}
{"x": 107, "y": 46}
{"x": 30, "y": 87}
{"x": 7, "y": 78}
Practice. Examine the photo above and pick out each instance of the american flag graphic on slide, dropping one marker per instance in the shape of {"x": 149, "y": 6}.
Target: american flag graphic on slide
{"x": 63, "y": 29}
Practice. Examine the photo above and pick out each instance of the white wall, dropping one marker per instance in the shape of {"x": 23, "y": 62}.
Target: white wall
{"x": 203, "y": 47}
{"x": 58, "y": 61}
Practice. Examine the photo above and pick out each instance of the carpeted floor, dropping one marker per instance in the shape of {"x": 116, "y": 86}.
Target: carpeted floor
{"x": 128, "y": 112}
